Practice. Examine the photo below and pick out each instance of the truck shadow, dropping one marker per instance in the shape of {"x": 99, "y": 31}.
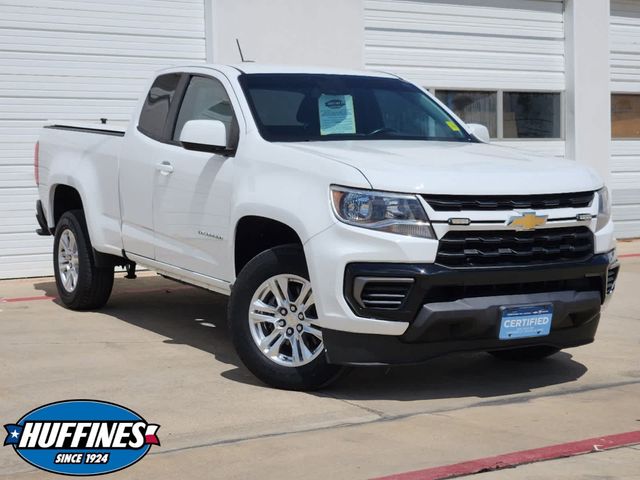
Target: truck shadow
{"x": 190, "y": 316}
{"x": 456, "y": 376}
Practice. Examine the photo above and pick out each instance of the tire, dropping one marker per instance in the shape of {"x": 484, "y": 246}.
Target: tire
{"x": 81, "y": 285}
{"x": 526, "y": 353}
{"x": 292, "y": 356}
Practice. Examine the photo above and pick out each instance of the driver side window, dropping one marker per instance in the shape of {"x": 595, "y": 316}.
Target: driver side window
{"x": 206, "y": 99}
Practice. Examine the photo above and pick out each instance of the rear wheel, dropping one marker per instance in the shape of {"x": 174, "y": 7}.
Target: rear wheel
{"x": 526, "y": 353}
{"x": 273, "y": 322}
{"x": 81, "y": 285}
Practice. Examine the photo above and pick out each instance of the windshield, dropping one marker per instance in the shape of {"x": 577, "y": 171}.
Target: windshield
{"x": 309, "y": 107}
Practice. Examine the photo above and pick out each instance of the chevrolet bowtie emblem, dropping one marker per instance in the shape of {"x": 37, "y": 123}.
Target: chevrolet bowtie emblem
{"x": 527, "y": 221}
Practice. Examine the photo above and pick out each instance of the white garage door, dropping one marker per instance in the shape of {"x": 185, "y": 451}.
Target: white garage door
{"x": 74, "y": 61}
{"x": 625, "y": 88}
{"x": 511, "y": 49}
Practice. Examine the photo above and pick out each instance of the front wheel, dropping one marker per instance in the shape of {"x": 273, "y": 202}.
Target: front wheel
{"x": 273, "y": 322}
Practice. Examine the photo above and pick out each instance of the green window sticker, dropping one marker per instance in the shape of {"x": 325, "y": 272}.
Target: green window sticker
{"x": 452, "y": 125}
{"x": 336, "y": 114}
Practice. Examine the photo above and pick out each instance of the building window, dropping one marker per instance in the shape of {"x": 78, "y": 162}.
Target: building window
{"x": 508, "y": 115}
{"x": 625, "y": 115}
{"x": 473, "y": 107}
{"x": 531, "y": 115}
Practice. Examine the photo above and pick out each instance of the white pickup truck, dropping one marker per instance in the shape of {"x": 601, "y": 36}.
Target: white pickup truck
{"x": 352, "y": 218}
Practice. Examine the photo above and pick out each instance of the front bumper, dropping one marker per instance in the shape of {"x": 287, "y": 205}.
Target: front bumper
{"x": 331, "y": 251}
{"x": 345, "y": 348}
{"x": 453, "y": 310}
{"x": 433, "y": 283}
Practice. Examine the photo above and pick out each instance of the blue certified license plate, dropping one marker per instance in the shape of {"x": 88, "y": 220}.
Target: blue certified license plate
{"x": 525, "y": 322}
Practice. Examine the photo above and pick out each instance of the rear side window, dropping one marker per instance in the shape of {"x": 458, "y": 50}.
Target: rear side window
{"x": 156, "y": 107}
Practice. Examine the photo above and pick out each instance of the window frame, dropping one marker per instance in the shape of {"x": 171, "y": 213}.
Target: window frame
{"x": 500, "y": 110}
{"x": 176, "y": 105}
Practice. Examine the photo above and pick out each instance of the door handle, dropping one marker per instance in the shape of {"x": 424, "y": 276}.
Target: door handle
{"x": 165, "y": 168}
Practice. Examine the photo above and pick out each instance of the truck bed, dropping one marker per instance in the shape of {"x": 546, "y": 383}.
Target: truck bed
{"x": 85, "y": 156}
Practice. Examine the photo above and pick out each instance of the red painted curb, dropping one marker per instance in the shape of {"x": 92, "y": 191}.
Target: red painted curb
{"x": 627, "y": 255}
{"x": 25, "y": 299}
{"x": 514, "y": 459}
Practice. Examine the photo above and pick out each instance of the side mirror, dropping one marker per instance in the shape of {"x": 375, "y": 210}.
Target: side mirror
{"x": 204, "y": 136}
{"x": 479, "y": 131}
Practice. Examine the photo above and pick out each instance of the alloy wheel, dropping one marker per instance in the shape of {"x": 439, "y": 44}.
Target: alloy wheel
{"x": 281, "y": 318}
{"x": 68, "y": 260}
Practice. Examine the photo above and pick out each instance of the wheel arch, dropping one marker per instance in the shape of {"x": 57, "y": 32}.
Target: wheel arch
{"x": 64, "y": 198}
{"x": 254, "y": 234}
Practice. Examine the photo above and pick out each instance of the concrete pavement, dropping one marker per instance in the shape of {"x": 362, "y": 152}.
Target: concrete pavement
{"x": 619, "y": 464}
{"x": 161, "y": 349}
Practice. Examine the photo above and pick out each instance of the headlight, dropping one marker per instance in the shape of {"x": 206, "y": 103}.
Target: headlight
{"x": 386, "y": 212}
{"x": 604, "y": 208}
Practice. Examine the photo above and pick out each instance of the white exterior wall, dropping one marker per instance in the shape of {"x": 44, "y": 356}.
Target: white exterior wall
{"x": 625, "y": 78}
{"x": 301, "y": 32}
{"x": 74, "y": 61}
{"x": 471, "y": 44}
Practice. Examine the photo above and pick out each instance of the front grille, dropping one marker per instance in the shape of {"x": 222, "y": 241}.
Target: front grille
{"x": 382, "y": 293}
{"x": 463, "y": 248}
{"x": 455, "y": 203}
{"x": 612, "y": 275}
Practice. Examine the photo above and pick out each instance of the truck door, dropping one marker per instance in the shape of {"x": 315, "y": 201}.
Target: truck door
{"x": 143, "y": 150}
{"x": 191, "y": 202}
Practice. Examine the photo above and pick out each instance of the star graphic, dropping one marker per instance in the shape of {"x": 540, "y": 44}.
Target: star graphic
{"x": 15, "y": 434}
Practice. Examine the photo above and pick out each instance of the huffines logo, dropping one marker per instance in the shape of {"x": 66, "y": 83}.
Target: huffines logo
{"x": 82, "y": 437}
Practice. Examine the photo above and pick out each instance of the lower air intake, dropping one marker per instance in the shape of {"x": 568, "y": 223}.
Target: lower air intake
{"x": 381, "y": 293}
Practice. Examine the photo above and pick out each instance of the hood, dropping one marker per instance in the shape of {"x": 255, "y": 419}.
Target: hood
{"x": 454, "y": 167}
